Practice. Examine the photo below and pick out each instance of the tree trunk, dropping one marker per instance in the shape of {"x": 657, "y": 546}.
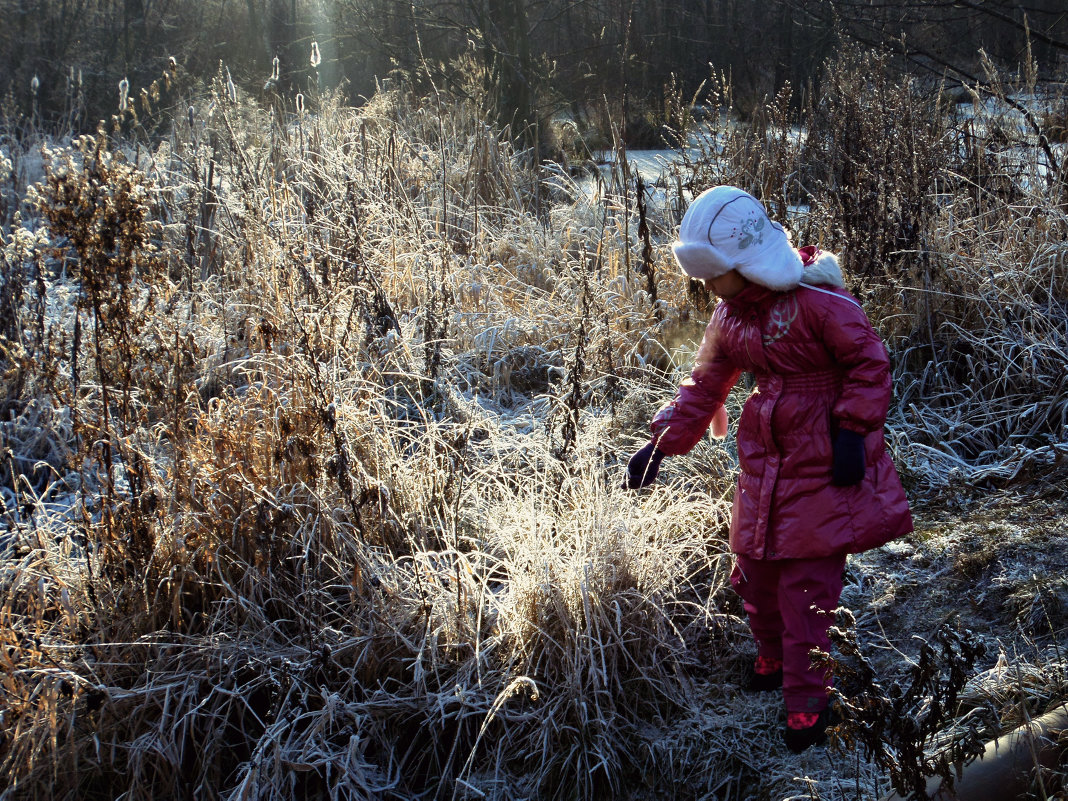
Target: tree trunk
{"x": 508, "y": 55}
{"x": 784, "y": 62}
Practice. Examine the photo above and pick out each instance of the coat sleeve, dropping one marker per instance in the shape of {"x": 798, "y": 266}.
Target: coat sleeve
{"x": 680, "y": 424}
{"x": 861, "y": 354}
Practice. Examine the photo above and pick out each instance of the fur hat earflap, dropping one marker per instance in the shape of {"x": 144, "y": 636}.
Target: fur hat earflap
{"x": 728, "y": 229}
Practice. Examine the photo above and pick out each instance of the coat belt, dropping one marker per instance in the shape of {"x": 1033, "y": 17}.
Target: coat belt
{"x": 800, "y": 382}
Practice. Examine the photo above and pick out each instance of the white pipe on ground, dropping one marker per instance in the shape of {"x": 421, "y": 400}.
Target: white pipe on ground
{"x": 1006, "y": 769}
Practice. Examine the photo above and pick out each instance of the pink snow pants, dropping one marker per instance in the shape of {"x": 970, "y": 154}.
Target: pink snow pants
{"x": 790, "y": 604}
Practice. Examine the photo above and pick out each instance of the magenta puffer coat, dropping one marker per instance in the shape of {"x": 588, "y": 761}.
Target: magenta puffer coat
{"x": 819, "y": 366}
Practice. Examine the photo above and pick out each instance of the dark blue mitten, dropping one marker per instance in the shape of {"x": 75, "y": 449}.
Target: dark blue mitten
{"x": 849, "y": 457}
{"x": 643, "y": 467}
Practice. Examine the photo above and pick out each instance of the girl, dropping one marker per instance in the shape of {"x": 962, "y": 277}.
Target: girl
{"x": 816, "y": 482}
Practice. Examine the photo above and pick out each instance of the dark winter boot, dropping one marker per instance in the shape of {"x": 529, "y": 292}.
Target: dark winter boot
{"x": 764, "y": 675}
{"x": 804, "y": 729}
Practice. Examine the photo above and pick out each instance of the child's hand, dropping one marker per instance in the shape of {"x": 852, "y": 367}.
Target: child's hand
{"x": 849, "y": 457}
{"x": 643, "y": 467}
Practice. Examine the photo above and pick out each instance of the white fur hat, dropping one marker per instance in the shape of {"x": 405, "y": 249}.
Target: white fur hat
{"x": 727, "y": 229}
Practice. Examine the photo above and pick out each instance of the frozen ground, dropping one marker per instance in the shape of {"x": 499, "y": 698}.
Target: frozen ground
{"x": 997, "y": 564}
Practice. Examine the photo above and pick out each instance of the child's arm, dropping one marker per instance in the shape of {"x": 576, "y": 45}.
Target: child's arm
{"x": 858, "y": 350}
{"x": 679, "y": 426}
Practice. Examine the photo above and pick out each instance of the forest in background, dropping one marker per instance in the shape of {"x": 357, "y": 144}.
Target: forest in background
{"x": 313, "y": 415}
{"x": 603, "y": 61}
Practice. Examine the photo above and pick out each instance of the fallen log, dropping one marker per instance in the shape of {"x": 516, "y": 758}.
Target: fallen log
{"x": 1006, "y": 768}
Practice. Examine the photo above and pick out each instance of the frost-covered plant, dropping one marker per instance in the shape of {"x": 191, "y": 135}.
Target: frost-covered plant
{"x": 875, "y": 148}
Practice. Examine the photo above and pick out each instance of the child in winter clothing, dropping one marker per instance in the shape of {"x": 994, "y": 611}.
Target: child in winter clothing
{"x": 816, "y": 482}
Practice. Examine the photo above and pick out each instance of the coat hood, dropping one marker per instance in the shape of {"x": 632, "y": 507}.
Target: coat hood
{"x": 822, "y": 270}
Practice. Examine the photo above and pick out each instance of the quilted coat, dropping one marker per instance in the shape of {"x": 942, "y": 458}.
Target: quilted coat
{"x": 819, "y": 366}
